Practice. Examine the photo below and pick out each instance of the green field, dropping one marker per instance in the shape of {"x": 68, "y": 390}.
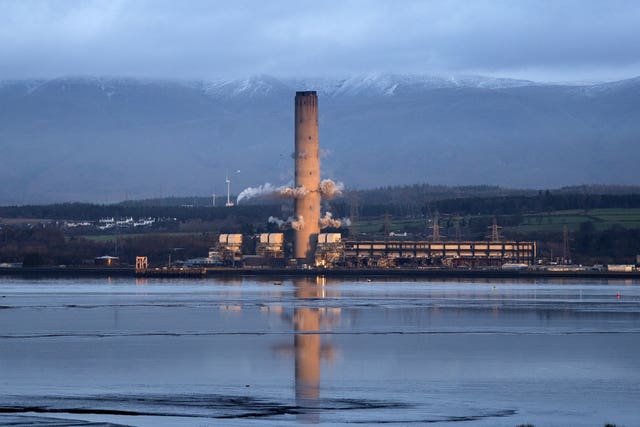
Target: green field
{"x": 372, "y": 226}
{"x": 602, "y": 219}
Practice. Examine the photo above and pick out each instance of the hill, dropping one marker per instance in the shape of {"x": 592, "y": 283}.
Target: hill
{"x": 104, "y": 140}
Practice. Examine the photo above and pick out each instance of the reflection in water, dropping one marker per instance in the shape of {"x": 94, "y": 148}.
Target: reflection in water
{"x": 308, "y": 323}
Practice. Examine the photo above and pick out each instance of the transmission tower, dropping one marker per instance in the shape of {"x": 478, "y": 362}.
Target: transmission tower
{"x": 495, "y": 231}
{"x": 387, "y": 224}
{"x": 436, "y": 237}
{"x": 353, "y": 210}
{"x": 565, "y": 245}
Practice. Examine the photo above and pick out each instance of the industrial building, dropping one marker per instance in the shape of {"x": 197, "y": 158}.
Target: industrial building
{"x": 228, "y": 249}
{"x": 270, "y": 245}
{"x": 332, "y": 251}
{"x": 396, "y": 253}
{"x": 329, "y": 250}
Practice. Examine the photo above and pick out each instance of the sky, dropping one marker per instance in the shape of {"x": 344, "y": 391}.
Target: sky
{"x": 543, "y": 40}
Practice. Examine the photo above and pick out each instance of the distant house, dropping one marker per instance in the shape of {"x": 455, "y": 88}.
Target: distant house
{"x": 106, "y": 260}
{"x": 10, "y": 265}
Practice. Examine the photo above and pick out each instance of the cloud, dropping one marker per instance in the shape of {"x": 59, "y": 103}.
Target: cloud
{"x": 200, "y": 39}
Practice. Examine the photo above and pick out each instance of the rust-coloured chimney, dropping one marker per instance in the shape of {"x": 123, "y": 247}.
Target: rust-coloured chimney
{"x": 307, "y": 165}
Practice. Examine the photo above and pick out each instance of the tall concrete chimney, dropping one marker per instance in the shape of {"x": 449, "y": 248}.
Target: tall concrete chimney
{"x": 307, "y": 165}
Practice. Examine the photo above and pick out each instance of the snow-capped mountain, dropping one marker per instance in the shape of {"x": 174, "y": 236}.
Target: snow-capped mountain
{"x": 86, "y": 138}
{"x": 374, "y": 84}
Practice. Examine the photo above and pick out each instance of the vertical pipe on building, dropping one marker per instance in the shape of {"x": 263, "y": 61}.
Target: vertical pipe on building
{"x": 307, "y": 174}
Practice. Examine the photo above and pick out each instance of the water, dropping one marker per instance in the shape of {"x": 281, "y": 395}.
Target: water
{"x": 248, "y": 352}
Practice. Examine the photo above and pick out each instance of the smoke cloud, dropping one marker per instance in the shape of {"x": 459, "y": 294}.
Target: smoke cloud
{"x": 293, "y": 193}
{"x": 327, "y": 221}
{"x": 260, "y": 190}
{"x": 330, "y": 189}
{"x": 278, "y": 221}
{"x": 295, "y": 223}
{"x": 267, "y": 189}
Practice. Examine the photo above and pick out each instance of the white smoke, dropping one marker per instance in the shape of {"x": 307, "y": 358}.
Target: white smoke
{"x": 278, "y": 221}
{"x": 296, "y": 224}
{"x": 260, "y": 190}
{"x": 346, "y": 222}
{"x": 293, "y": 193}
{"x": 266, "y": 189}
{"x": 329, "y": 189}
{"x": 327, "y": 221}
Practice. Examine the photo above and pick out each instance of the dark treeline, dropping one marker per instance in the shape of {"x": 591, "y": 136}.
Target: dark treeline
{"x": 503, "y": 205}
{"x": 509, "y": 205}
{"x": 45, "y": 246}
{"x": 86, "y": 211}
{"x": 589, "y": 245}
{"x": 406, "y": 201}
{"x": 543, "y": 202}
{"x": 613, "y": 244}
{"x": 425, "y": 193}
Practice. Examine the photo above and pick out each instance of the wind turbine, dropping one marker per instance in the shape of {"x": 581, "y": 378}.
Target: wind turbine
{"x": 228, "y": 181}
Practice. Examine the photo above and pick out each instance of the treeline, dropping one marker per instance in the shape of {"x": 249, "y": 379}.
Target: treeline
{"x": 426, "y": 193}
{"x": 611, "y": 245}
{"x": 91, "y": 212}
{"x": 409, "y": 201}
{"x": 502, "y": 205}
{"x": 45, "y": 246}
{"x": 542, "y": 202}
{"x": 589, "y": 245}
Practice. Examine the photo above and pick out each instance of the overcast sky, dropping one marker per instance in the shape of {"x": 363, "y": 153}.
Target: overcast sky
{"x": 542, "y": 40}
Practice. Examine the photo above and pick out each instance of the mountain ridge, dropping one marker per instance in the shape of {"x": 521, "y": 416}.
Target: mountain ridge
{"x": 98, "y": 138}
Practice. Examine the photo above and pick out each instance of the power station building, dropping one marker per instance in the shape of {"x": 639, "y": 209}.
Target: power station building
{"x": 330, "y": 250}
{"x": 333, "y": 251}
{"x": 310, "y": 247}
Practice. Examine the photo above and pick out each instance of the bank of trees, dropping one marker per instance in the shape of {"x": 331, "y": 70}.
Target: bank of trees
{"x": 47, "y": 246}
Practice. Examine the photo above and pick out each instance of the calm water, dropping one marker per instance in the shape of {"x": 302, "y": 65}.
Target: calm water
{"x": 248, "y": 352}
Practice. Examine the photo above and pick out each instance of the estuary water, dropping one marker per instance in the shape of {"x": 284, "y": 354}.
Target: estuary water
{"x": 249, "y": 351}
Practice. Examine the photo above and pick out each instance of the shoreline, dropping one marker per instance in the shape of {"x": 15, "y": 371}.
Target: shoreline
{"x": 280, "y": 272}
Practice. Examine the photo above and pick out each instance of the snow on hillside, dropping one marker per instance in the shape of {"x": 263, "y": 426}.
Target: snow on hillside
{"x": 374, "y": 84}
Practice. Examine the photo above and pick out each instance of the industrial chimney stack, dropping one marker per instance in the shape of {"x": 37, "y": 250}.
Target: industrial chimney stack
{"x": 307, "y": 165}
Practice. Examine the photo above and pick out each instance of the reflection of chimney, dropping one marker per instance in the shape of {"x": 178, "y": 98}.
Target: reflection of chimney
{"x": 307, "y": 174}
{"x": 307, "y": 351}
